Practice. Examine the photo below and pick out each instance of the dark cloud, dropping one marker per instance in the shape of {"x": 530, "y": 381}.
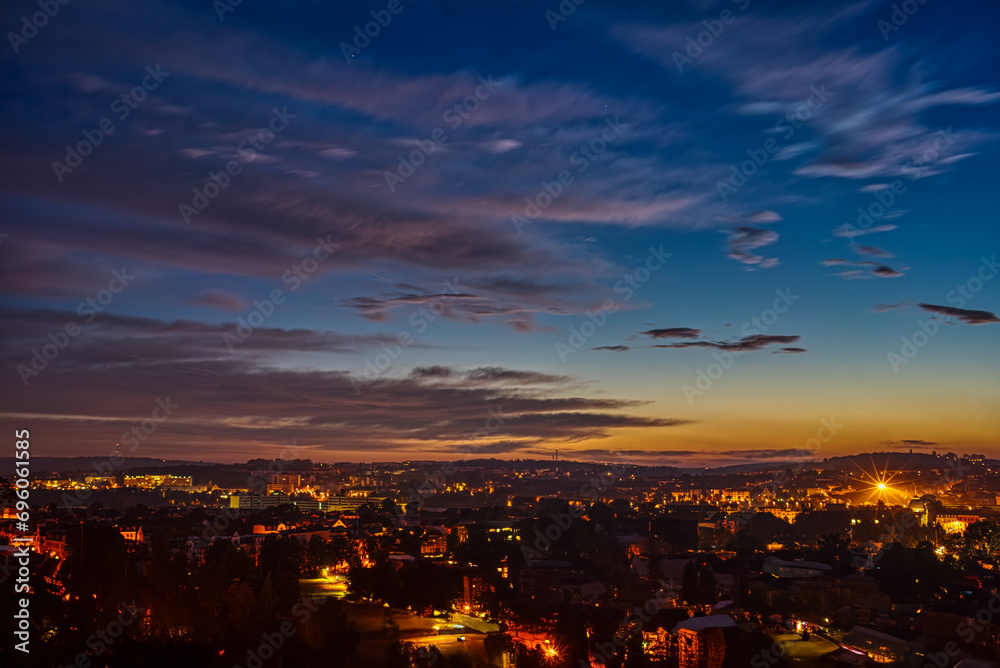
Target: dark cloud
{"x": 110, "y": 376}
{"x": 872, "y": 251}
{"x": 867, "y": 269}
{"x": 882, "y": 308}
{"x": 495, "y": 374}
{"x": 968, "y": 316}
{"x": 789, "y": 351}
{"x": 745, "y": 240}
{"x": 113, "y": 338}
{"x": 673, "y": 333}
{"x": 708, "y": 458}
{"x": 617, "y": 349}
{"x": 746, "y": 343}
{"x": 436, "y": 371}
{"x": 457, "y": 305}
{"x": 886, "y": 272}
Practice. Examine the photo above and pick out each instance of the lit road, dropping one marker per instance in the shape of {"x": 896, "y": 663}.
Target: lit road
{"x": 369, "y": 617}
{"x": 471, "y": 648}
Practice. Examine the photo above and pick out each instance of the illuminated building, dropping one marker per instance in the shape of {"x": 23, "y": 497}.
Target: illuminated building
{"x": 287, "y": 483}
{"x": 434, "y": 542}
{"x": 957, "y": 521}
{"x": 154, "y": 481}
{"x": 701, "y": 641}
{"x": 133, "y": 533}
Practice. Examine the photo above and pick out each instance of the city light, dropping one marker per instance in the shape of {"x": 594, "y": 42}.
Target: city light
{"x": 549, "y": 652}
{"x": 881, "y": 488}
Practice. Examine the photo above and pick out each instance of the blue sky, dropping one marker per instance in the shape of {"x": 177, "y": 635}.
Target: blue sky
{"x": 838, "y": 108}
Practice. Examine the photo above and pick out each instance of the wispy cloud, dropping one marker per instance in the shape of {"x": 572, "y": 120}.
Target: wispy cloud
{"x": 968, "y": 316}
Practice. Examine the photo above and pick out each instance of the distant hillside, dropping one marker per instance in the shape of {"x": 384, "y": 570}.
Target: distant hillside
{"x": 892, "y": 461}
{"x": 759, "y": 467}
{"x": 91, "y": 465}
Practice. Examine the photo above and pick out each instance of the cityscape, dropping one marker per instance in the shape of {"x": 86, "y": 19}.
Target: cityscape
{"x": 500, "y": 334}
{"x": 886, "y": 558}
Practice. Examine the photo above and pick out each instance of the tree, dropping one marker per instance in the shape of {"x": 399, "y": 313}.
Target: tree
{"x": 707, "y": 587}
{"x": 331, "y": 639}
{"x": 980, "y": 546}
{"x": 832, "y": 549}
{"x": 698, "y": 584}
{"x": 689, "y": 587}
{"x": 912, "y": 574}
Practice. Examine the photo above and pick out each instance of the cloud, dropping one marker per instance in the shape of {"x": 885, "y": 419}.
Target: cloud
{"x": 746, "y": 343}
{"x": 701, "y": 458}
{"x": 868, "y": 269}
{"x": 240, "y": 403}
{"x": 849, "y": 231}
{"x": 502, "y": 145}
{"x": 867, "y": 127}
{"x": 495, "y": 374}
{"x": 451, "y": 305}
{"x": 789, "y": 351}
{"x": 967, "y": 316}
{"x": 882, "y": 308}
{"x": 436, "y": 371}
{"x": 912, "y": 443}
{"x": 756, "y": 218}
{"x": 673, "y": 333}
{"x": 743, "y": 241}
{"x": 872, "y": 251}
{"x": 886, "y": 272}
{"x": 120, "y": 339}
{"x": 221, "y": 299}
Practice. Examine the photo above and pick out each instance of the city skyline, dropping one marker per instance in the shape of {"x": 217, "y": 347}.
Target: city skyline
{"x": 706, "y": 235}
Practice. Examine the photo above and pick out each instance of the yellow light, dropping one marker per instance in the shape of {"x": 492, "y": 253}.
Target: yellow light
{"x": 881, "y": 485}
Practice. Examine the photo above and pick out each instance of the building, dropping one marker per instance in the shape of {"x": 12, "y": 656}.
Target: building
{"x": 434, "y": 542}
{"x": 287, "y": 483}
{"x": 154, "y": 481}
{"x": 474, "y": 594}
{"x": 54, "y": 544}
{"x": 794, "y": 569}
{"x": 701, "y": 641}
{"x": 306, "y": 503}
{"x": 957, "y": 521}
{"x": 132, "y": 533}
{"x": 256, "y": 502}
{"x": 343, "y": 503}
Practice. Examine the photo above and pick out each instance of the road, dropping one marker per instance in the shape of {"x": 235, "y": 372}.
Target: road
{"x": 369, "y": 618}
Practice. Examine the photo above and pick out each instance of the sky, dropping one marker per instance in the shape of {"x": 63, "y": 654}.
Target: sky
{"x": 695, "y": 234}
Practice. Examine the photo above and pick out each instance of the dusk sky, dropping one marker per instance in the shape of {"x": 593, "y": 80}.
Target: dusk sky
{"x": 632, "y": 228}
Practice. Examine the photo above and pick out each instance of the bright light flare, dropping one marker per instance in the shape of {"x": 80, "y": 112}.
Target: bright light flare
{"x": 881, "y": 484}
